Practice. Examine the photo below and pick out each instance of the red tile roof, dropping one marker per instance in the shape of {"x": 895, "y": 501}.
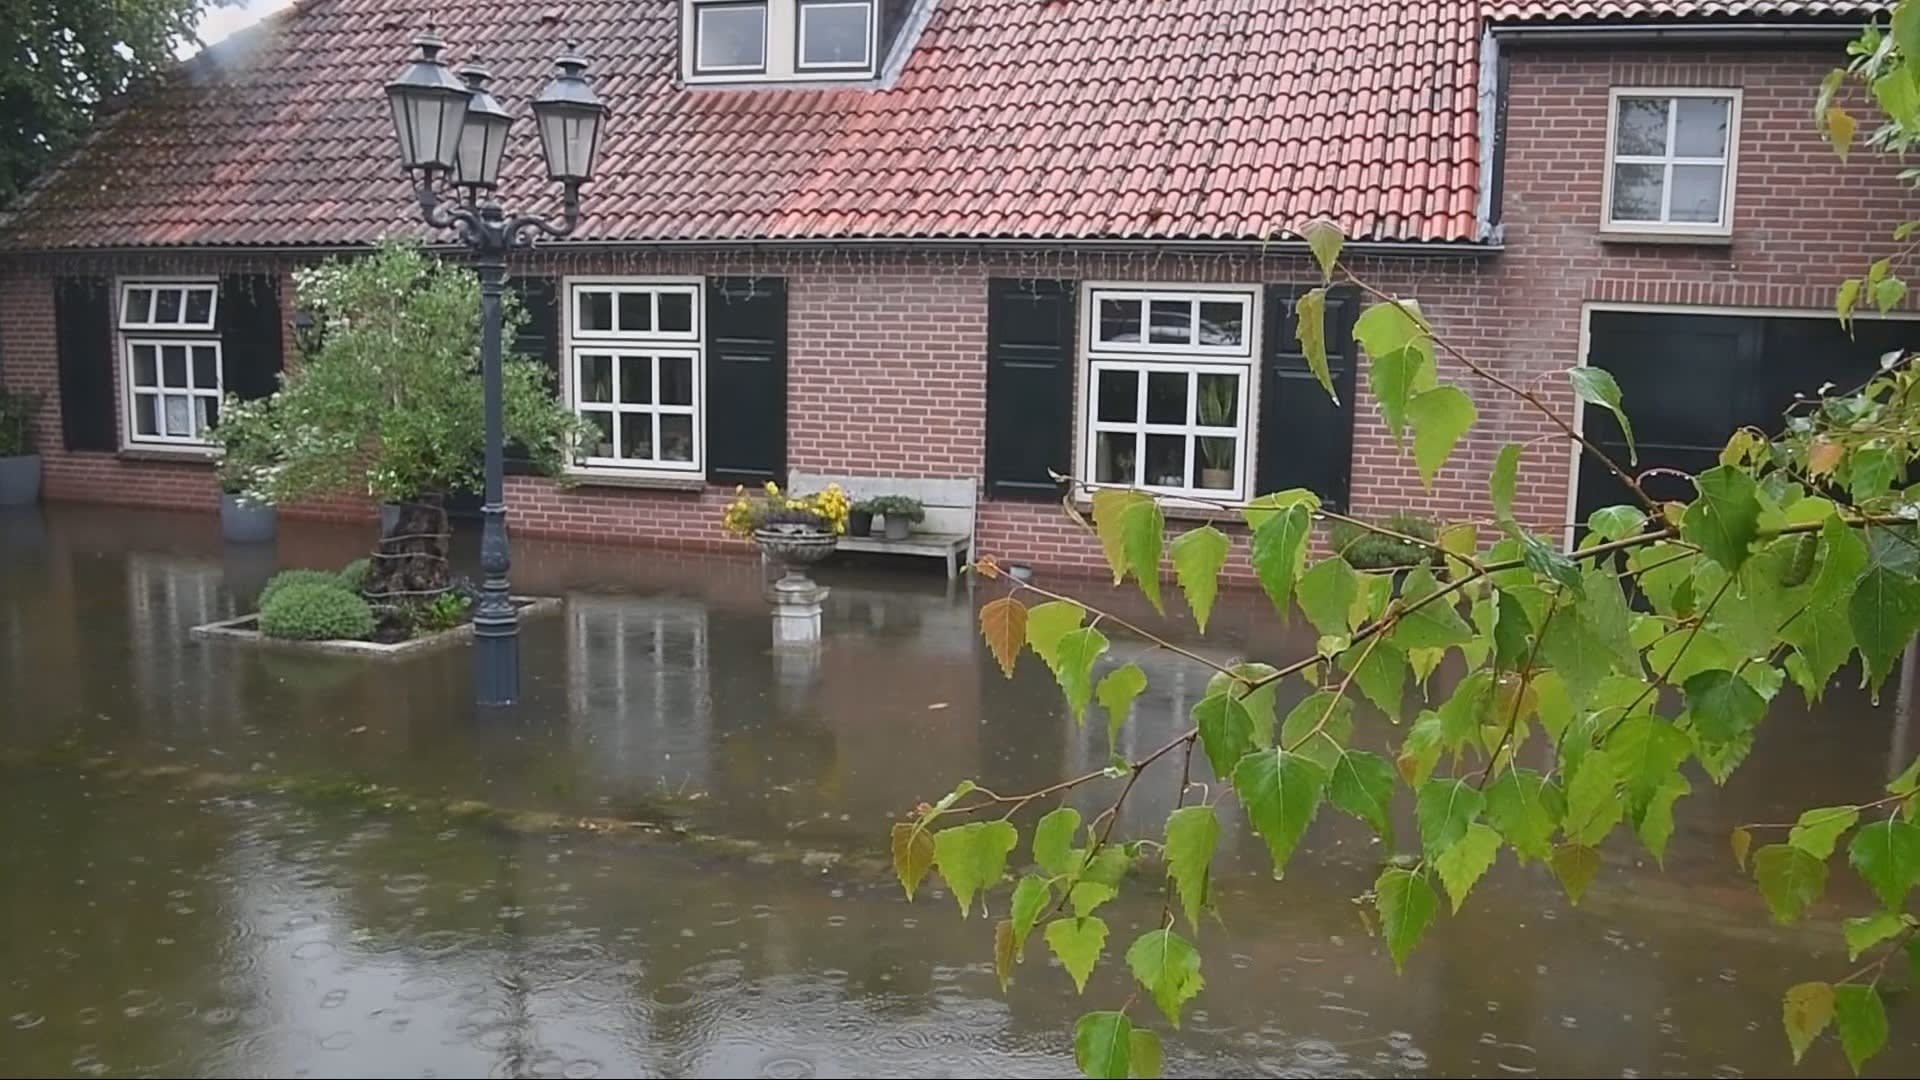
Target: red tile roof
{"x": 1620, "y": 11}
{"x": 1011, "y": 119}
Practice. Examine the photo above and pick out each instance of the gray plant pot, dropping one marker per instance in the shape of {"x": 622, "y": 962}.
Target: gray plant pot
{"x": 19, "y": 480}
{"x": 245, "y": 522}
{"x": 898, "y": 528}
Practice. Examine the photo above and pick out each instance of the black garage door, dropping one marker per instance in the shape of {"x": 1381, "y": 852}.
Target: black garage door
{"x": 1689, "y": 381}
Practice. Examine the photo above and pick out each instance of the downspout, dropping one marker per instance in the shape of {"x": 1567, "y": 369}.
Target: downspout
{"x": 1492, "y": 104}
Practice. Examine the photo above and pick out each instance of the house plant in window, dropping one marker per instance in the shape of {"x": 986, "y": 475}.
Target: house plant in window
{"x": 900, "y": 513}
{"x": 245, "y": 437}
{"x": 1216, "y": 409}
{"x": 19, "y": 461}
{"x": 795, "y": 531}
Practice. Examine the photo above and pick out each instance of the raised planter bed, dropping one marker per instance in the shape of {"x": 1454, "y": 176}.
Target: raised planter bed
{"x": 245, "y": 630}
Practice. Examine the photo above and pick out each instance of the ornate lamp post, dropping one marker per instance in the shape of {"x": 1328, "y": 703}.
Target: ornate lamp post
{"x": 453, "y": 129}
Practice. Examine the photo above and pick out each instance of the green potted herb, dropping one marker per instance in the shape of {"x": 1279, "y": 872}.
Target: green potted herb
{"x": 245, "y": 436}
{"x": 901, "y": 514}
{"x": 19, "y": 459}
{"x": 860, "y": 518}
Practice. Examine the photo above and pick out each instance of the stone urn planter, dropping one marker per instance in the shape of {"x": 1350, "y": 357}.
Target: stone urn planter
{"x": 19, "y": 479}
{"x": 796, "y": 599}
{"x": 244, "y": 521}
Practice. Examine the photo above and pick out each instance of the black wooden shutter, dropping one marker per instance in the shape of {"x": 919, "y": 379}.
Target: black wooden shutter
{"x": 1305, "y": 439}
{"x": 1030, "y": 364}
{"x": 83, "y": 332}
{"x": 251, "y": 346}
{"x": 538, "y": 339}
{"x": 746, "y": 380}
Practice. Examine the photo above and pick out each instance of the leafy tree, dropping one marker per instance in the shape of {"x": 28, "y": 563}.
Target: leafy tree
{"x": 1600, "y": 685}
{"x": 64, "y": 59}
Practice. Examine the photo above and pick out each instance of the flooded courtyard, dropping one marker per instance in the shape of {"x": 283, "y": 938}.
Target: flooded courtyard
{"x": 670, "y": 859}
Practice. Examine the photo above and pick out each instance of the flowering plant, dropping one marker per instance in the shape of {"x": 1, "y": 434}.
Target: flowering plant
{"x": 824, "y": 510}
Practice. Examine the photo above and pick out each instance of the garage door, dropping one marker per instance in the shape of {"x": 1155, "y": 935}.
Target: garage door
{"x": 1689, "y": 381}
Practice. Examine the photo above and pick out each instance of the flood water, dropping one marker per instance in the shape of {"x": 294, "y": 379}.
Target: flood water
{"x": 221, "y": 861}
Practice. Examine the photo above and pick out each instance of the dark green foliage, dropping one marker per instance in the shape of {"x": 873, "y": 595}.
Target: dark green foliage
{"x": 16, "y": 421}
{"x": 354, "y": 574}
{"x": 897, "y": 506}
{"x": 298, "y": 575}
{"x": 443, "y": 612}
{"x": 1364, "y": 549}
{"x": 316, "y": 611}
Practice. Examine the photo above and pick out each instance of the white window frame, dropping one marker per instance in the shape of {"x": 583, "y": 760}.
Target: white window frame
{"x": 781, "y": 40}
{"x": 130, "y": 334}
{"x": 802, "y": 7}
{"x": 1194, "y": 360}
{"x": 1729, "y": 165}
{"x": 697, "y": 13}
{"x": 689, "y": 344}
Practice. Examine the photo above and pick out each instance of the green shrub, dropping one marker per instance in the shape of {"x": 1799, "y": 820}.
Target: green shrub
{"x": 316, "y": 611}
{"x": 354, "y": 574}
{"x": 898, "y": 506}
{"x": 1366, "y": 550}
{"x": 289, "y": 577}
{"x": 443, "y": 612}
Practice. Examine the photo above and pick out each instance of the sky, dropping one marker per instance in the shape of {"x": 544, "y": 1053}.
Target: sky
{"x": 218, "y": 22}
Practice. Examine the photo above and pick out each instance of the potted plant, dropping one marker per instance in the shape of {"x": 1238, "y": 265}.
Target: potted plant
{"x": 901, "y": 514}
{"x": 19, "y": 461}
{"x": 1215, "y": 408}
{"x": 860, "y": 518}
{"x": 795, "y": 531}
{"x": 247, "y": 458}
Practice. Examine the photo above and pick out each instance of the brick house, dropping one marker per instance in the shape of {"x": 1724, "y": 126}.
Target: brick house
{"x": 992, "y": 239}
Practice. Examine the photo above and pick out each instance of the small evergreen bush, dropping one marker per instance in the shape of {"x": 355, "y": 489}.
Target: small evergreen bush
{"x": 354, "y": 574}
{"x": 316, "y": 611}
{"x": 289, "y": 577}
{"x": 1364, "y": 550}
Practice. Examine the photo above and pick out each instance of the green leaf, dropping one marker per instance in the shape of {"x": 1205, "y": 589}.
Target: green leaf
{"x": 1406, "y": 904}
{"x": 1908, "y": 781}
{"x": 1741, "y": 840}
{"x": 1030, "y": 900}
{"x": 1281, "y": 793}
{"x": 1654, "y": 823}
{"x": 1198, "y": 556}
{"x": 1596, "y": 386}
{"x": 1602, "y": 612}
{"x": 1840, "y": 127}
{"x": 1053, "y": 840}
{"x": 1843, "y": 558}
{"x": 1846, "y": 299}
{"x": 1887, "y": 854}
{"x": 1103, "y": 1044}
{"x": 1725, "y": 518}
{"x": 1857, "y": 1009}
{"x": 1110, "y": 864}
{"x": 1463, "y": 864}
{"x": 1264, "y": 507}
{"x": 1822, "y": 639}
{"x": 1906, "y": 34}
{"x": 1381, "y": 674}
{"x": 1420, "y": 751}
{"x": 1116, "y": 692}
{"x": 1226, "y": 731}
{"x": 1259, "y": 702}
{"x": 1506, "y": 475}
{"x": 1390, "y": 326}
{"x": 1048, "y": 623}
{"x": 1888, "y": 294}
{"x": 1723, "y": 706}
{"x": 1078, "y": 650}
{"x": 1443, "y": 810}
{"x": 1871, "y": 470}
{"x": 1867, "y": 931}
{"x": 1806, "y": 1010}
{"x": 1790, "y": 879}
{"x": 1433, "y": 625}
{"x": 1569, "y": 646}
{"x": 972, "y": 857}
{"x": 1310, "y": 326}
{"x": 1361, "y": 783}
{"x": 1440, "y": 417}
{"x": 1279, "y": 546}
{"x": 1005, "y": 952}
{"x": 1077, "y": 942}
{"x": 1192, "y": 834}
{"x": 1548, "y": 561}
{"x": 1466, "y": 710}
{"x": 1143, "y": 535}
{"x": 1647, "y": 750}
{"x": 1819, "y": 829}
{"x": 1112, "y": 523}
{"x": 1087, "y": 896}
{"x": 912, "y": 854}
{"x": 1593, "y": 807}
{"x": 1526, "y": 807}
{"x": 1615, "y": 522}
{"x": 1324, "y": 240}
{"x": 1169, "y": 967}
{"x": 1318, "y": 728}
{"x": 1146, "y": 1053}
{"x": 1575, "y": 865}
{"x": 1395, "y": 378}
{"x": 1510, "y": 628}
{"x": 1884, "y": 613}
{"x": 1326, "y": 593}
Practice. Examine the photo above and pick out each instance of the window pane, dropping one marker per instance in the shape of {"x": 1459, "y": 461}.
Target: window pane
{"x": 636, "y": 380}
{"x": 1216, "y": 463}
{"x": 636, "y": 311}
{"x": 676, "y": 437}
{"x": 1172, "y": 322}
{"x": 732, "y": 36}
{"x": 1120, "y": 320}
{"x": 200, "y": 306}
{"x": 206, "y": 369}
{"x": 166, "y": 305}
{"x": 1166, "y": 397}
{"x": 596, "y": 312}
{"x": 1222, "y": 323}
{"x": 600, "y": 441}
{"x": 179, "y": 413}
{"x": 1636, "y": 192}
{"x": 207, "y": 410}
{"x": 676, "y": 313}
{"x": 636, "y": 436}
{"x": 1119, "y": 398}
{"x": 139, "y": 306}
{"x": 596, "y": 377}
{"x": 1113, "y": 456}
{"x": 1219, "y": 404}
{"x": 1641, "y": 129}
{"x": 834, "y": 33}
{"x": 143, "y": 414}
{"x": 1696, "y": 193}
{"x": 1701, "y": 127}
{"x": 173, "y": 364}
{"x": 1167, "y": 460}
{"x": 144, "y": 373}
{"x": 676, "y": 380}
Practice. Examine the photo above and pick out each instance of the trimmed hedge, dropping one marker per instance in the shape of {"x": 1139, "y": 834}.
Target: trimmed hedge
{"x": 289, "y": 577}
{"x": 354, "y": 574}
{"x": 316, "y": 611}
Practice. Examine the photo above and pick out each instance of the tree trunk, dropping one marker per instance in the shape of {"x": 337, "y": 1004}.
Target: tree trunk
{"x": 410, "y": 563}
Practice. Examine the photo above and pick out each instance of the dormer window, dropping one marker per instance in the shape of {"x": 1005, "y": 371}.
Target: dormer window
{"x": 741, "y": 41}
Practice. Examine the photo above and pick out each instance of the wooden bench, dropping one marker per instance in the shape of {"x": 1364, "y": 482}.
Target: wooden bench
{"x": 947, "y": 532}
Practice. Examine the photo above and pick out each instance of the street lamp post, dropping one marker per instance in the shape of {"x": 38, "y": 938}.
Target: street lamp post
{"x": 454, "y": 129}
